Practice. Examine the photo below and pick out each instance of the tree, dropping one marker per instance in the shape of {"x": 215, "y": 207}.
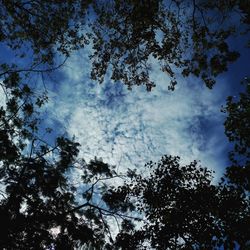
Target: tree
{"x": 40, "y": 206}
{"x": 42, "y": 27}
{"x": 237, "y": 129}
{"x": 183, "y": 36}
{"x": 182, "y": 209}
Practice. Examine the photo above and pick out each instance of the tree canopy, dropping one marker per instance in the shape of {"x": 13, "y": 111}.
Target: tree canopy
{"x": 237, "y": 129}
{"x": 50, "y": 197}
{"x": 183, "y": 209}
{"x": 183, "y": 36}
{"x": 189, "y": 37}
{"x": 40, "y": 206}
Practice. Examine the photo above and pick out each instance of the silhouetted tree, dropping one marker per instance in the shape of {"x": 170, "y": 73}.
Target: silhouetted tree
{"x": 188, "y": 36}
{"x": 40, "y": 28}
{"x": 237, "y": 129}
{"x": 182, "y": 209}
{"x": 41, "y": 206}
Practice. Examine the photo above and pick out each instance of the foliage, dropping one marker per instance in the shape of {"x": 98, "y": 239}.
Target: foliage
{"x": 237, "y": 129}
{"x": 188, "y": 37}
{"x": 237, "y": 124}
{"x": 41, "y": 207}
{"x": 182, "y": 36}
{"x": 184, "y": 210}
{"x": 44, "y": 26}
{"x": 178, "y": 207}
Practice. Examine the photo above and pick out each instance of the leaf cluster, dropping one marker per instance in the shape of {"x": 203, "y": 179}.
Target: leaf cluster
{"x": 182, "y": 36}
{"x": 183, "y": 209}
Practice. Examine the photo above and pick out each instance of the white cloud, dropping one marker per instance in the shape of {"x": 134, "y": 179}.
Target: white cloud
{"x": 129, "y": 128}
{"x": 2, "y": 96}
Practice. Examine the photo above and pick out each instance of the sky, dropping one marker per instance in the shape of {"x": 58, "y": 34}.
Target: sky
{"x": 129, "y": 128}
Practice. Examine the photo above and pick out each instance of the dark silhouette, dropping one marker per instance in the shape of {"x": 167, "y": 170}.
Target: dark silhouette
{"x": 182, "y": 209}
{"x": 188, "y": 36}
{"x": 237, "y": 129}
{"x": 41, "y": 206}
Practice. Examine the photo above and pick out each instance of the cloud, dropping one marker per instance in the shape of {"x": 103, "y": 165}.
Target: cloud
{"x": 2, "y": 96}
{"x": 129, "y": 128}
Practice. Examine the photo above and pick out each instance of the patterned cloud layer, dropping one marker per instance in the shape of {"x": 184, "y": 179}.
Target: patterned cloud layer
{"x": 130, "y": 128}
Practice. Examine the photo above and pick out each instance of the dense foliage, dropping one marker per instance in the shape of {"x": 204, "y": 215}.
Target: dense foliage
{"x": 183, "y": 209}
{"x": 188, "y": 37}
{"x": 40, "y": 206}
{"x": 237, "y": 129}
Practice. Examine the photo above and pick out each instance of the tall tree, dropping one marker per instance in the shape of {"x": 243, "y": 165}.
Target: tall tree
{"x": 182, "y": 36}
{"x": 182, "y": 209}
{"x": 188, "y": 37}
{"x": 237, "y": 129}
{"x": 41, "y": 206}
{"x": 40, "y": 28}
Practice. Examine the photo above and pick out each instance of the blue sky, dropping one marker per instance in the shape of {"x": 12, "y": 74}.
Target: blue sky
{"x": 129, "y": 128}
